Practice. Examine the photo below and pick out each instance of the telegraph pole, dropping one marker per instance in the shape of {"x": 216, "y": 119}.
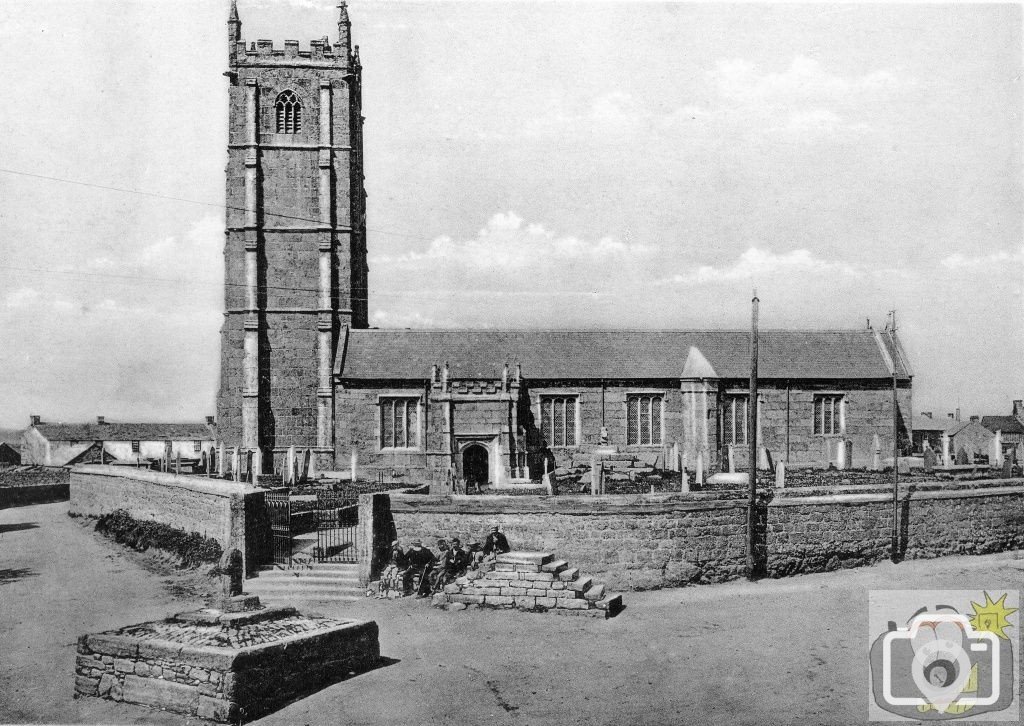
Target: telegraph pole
{"x": 752, "y": 440}
{"x": 894, "y": 553}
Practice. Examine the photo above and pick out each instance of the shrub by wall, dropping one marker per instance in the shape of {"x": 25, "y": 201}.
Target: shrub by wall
{"x": 191, "y": 548}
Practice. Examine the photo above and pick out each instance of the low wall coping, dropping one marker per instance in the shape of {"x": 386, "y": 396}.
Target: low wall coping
{"x": 216, "y": 487}
{"x": 694, "y": 501}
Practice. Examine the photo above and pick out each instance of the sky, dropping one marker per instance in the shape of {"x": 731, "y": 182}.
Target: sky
{"x": 529, "y": 165}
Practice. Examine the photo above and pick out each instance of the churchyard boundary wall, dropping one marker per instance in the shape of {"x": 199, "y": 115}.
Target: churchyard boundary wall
{"x": 651, "y": 541}
{"x": 231, "y": 513}
{"x": 22, "y": 486}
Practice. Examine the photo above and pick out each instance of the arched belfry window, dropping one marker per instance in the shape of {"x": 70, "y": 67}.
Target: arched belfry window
{"x": 289, "y": 113}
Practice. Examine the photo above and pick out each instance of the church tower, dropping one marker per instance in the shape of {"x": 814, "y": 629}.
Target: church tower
{"x": 295, "y": 241}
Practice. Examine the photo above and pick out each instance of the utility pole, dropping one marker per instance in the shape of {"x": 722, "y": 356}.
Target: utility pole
{"x": 752, "y": 440}
{"x": 894, "y": 553}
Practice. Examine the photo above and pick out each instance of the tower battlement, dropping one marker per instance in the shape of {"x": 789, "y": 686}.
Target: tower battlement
{"x": 262, "y": 51}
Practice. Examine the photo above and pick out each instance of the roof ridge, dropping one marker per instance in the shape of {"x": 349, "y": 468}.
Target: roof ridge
{"x": 609, "y": 330}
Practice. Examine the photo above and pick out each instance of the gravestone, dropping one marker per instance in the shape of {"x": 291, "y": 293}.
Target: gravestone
{"x": 961, "y": 457}
{"x": 698, "y": 476}
{"x": 902, "y": 465}
{"x": 929, "y": 459}
{"x": 876, "y": 453}
{"x": 1007, "y": 467}
{"x": 780, "y": 475}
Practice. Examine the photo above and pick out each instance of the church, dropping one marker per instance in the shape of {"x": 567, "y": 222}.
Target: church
{"x": 301, "y": 367}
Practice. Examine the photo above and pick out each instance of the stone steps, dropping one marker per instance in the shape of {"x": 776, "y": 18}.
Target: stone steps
{"x": 319, "y": 582}
{"x": 531, "y": 581}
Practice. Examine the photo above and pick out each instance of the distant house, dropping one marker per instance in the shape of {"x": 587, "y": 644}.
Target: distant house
{"x": 971, "y": 438}
{"x": 60, "y": 444}
{"x": 1011, "y": 429}
{"x": 928, "y": 428}
{"x": 9, "y": 456}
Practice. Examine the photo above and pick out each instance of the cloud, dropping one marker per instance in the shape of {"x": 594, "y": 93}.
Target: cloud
{"x": 756, "y": 264}
{"x": 414, "y": 319}
{"x": 805, "y": 81}
{"x": 993, "y": 261}
{"x": 196, "y": 255}
{"x": 508, "y": 244}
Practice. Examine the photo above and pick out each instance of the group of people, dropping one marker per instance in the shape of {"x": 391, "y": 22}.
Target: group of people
{"x": 421, "y": 571}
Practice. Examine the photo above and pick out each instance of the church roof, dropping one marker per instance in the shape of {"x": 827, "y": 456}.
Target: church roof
{"x": 112, "y": 431}
{"x": 381, "y": 354}
{"x": 1006, "y": 424}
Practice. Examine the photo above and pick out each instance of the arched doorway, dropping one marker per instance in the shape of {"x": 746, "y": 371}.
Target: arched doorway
{"x": 475, "y": 464}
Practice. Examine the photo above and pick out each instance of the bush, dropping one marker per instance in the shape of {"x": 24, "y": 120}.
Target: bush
{"x": 192, "y": 548}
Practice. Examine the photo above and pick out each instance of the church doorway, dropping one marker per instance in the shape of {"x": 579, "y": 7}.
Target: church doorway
{"x": 475, "y": 465}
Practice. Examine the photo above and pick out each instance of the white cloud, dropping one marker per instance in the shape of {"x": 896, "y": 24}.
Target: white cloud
{"x": 806, "y": 80}
{"x": 21, "y": 298}
{"x": 994, "y": 261}
{"x": 197, "y": 255}
{"x": 414, "y": 319}
{"x": 756, "y": 264}
{"x": 507, "y": 244}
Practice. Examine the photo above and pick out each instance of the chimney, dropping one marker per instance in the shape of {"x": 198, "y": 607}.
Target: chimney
{"x": 35, "y": 420}
{"x": 975, "y": 419}
{"x": 1018, "y": 409}
{"x": 951, "y": 416}
{"x": 100, "y": 421}
{"x": 926, "y": 414}
{"x": 958, "y": 414}
{"x": 210, "y": 420}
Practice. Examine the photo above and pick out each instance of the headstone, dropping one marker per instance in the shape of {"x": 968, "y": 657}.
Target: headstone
{"x": 876, "y": 453}
{"x": 840, "y": 455}
{"x": 732, "y": 459}
{"x": 177, "y": 463}
{"x": 204, "y": 465}
{"x": 903, "y": 466}
{"x": 780, "y": 475}
{"x": 312, "y": 474}
{"x": 1007, "y": 468}
{"x": 257, "y": 465}
{"x": 236, "y": 464}
{"x": 929, "y": 459}
{"x": 764, "y": 458}
{"x": 248, "y": 468}
{"x": 290, "y": 479}
{"x": 961, "y": 457}
{"x": 595, "y": 476}
{"x": 946, "y": 460}
{"x": 684, "y": 482}
{"x": 352, "y": 464}
{"x": 304, "y": 460}
{"x": 222, "y": 464}
{"x": 995, "y": 456}
{"x": 698, "y": 476}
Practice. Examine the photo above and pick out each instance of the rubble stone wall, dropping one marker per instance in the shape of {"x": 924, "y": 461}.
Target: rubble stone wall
{"x": 650, "y": 541}
{"x": 213, "y": 508}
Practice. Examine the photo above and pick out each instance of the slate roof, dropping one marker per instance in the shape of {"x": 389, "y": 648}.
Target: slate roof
{"x": 1006, "y": 424}
{"x": 377, "y": 354}
{"x": 936, "y": 423}
{"x": 112, "y": 431}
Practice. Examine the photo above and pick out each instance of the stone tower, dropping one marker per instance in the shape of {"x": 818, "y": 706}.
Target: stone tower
{"x": 295, "y": 247}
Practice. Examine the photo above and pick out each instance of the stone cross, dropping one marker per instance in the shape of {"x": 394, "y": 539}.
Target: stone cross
{"x": 231, "y": 573}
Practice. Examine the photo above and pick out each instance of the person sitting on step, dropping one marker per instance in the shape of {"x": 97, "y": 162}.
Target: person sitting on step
{"x": 459, "y": 561}
{"x": 496, "y": 544}
{"x": 419, "y": 561}
{"x": 440, "y": 570}
{"x": 391, "y": 578}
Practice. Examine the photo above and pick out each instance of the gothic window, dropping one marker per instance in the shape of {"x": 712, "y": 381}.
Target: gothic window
{"x": 399, "y": 423}
{"x": 828, "y": 415}
{"x": 289, "y": 113}
{"x": 643, "y": 419}
{"x": 558, "y": 420}
{"x": 734, "y": 420}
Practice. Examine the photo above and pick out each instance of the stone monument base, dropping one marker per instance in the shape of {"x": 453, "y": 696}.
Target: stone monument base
{"x": 224, "y": 666}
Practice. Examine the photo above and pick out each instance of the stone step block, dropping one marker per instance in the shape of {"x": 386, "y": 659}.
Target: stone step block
{"x": 564, "y": 594}
{"x": 573, "y": 604}
{"x": 514, "y": 591}
{"x": 595, "y": 593}
{"x": 467, "y": 599}
{"x": 504, "y": 567}
{"x": 582, "y": 584}
{"x": 527, "y": 569}
{"x": 538, "y": 576}
{"x": 546, "y": 602}
{"x": 526, "y": 602}
{"x": 499, "y": 600}
{"x": 569, "y": 575}
{"x": 590, "y": 613}
{"x": 523, "y": 558}
{"x": 554, "y": 567}
{"x": 611, "y": 605}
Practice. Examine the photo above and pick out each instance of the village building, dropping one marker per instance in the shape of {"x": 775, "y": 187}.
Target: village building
{"x": 1011, "y": 430}
{"x": 61, "y": 444}
{"x": 929, "y": 429}
{"x": 301, "y": 368}
{"x": 9, "y": 455}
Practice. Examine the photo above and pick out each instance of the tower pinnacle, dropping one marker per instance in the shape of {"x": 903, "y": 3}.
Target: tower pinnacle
{"x": 344, "y": 26}
{"x": 234, "y": 24}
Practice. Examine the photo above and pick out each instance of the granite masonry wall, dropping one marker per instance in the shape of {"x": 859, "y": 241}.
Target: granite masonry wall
{"x": 651, "y": 541}
{"x": 231, "y": 513}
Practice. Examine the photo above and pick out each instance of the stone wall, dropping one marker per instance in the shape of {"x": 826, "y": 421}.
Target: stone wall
{"x": 221, "y": 510}
{"x": 649, "y": 541}
{"x": 22, "y": 486}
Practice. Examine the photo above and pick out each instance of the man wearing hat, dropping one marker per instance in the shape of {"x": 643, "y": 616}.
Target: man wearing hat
{"x": 459, "y": 559}
{"x": 419, "y": 561}
{"x": 496, "y": 543}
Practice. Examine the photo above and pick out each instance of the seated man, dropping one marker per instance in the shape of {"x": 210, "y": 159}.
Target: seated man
{"x": 459, "y": 562}
{"x": 496, "y": 543}
{"x": 391, "y": 577}
{"x": 419, "y": 561}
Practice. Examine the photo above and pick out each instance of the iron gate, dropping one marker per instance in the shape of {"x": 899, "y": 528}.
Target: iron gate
{"x": 280, "y": 506}
{"x": 337, "y": 521}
